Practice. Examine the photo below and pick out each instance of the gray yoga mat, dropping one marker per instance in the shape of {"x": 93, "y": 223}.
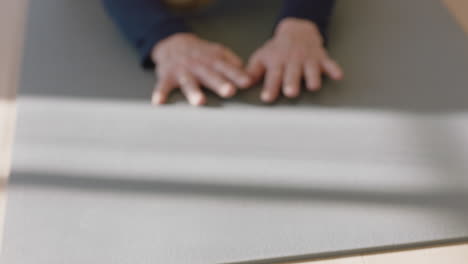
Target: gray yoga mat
{"x": 376, "y": 161}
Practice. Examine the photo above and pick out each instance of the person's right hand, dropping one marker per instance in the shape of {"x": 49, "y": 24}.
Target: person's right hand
{"x": 185, "y": 61}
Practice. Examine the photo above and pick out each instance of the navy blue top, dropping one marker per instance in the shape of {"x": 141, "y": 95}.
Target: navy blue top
{"x": 145, "y": 22}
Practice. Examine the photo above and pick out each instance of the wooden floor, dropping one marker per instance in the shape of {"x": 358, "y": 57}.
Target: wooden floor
{"x": 11, "y": 28}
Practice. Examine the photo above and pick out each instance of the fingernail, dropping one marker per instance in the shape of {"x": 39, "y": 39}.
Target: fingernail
{"x": 226, "y": 90}
{"x": 196, "y": 100}
{"x": 290, "y": 91}
{"x": 155, "y": 99}
{"x": 265, "y": 96}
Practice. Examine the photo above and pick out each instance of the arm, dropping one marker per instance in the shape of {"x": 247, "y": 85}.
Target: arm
{"x": 183, "y": 59}
{"x": 144, "y": 23}
{"x": 316, "y": 11}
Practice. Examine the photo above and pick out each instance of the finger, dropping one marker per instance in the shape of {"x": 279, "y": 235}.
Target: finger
{"x": 292, "y": 80}
{"x": 233, "y": 73}
{"x": 272, "y": 87}
{"x": 256, "y": 69}
{"x": 190, "y": 88}
{"x": 313, "y": 76}
{"x": 231, "y": 57}
{"x": 332, "y": 69}
{"x": 161, "y": 91}
{"x": 215, "y": 81}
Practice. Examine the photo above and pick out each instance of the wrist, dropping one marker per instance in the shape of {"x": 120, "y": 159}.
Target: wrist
{"x": 291, "y": 25}
{"x": 177, "y": 37}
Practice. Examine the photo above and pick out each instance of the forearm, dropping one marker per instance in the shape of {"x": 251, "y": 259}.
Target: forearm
{"x": 144, "y": 23}
{"x": 317, "y": 11}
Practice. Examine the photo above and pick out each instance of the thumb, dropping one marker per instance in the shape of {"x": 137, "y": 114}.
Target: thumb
{"x": 255, "y": 69}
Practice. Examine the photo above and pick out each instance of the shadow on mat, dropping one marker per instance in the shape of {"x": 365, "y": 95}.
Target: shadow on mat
{"x": 446, "y": 200}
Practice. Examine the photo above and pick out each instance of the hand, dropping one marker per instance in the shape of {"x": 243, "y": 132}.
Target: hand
{"x": 294, "y": 53}
{"x": 185, "y": 61}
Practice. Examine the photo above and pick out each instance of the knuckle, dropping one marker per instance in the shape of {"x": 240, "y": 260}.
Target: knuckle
{"x": 259, "y": 58}
{"x": 274, "y": 63}
{"x": 217, "y": 64}
{"x": 190, "y": 62}
{"x": 297, "y": 54}
{"x": 164, "y": 72}
{"x": 217, "y": 48}
{"x": 312, "y": 61}
{"x": 312, "y": 64}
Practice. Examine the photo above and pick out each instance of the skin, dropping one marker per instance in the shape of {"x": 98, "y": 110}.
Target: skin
{"x": 188, "y": 62}
{"x": 294, "y": 53}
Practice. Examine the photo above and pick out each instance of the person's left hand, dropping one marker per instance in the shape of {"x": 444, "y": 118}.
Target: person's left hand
{"x": 294, "y": 53}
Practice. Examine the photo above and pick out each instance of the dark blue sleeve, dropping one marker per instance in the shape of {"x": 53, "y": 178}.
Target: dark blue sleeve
{"x": 317, "y": 11}
{"x": 144, "y": 23}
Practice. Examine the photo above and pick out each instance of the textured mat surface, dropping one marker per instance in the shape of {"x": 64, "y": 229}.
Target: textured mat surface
{"x": 378, "y": 160}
